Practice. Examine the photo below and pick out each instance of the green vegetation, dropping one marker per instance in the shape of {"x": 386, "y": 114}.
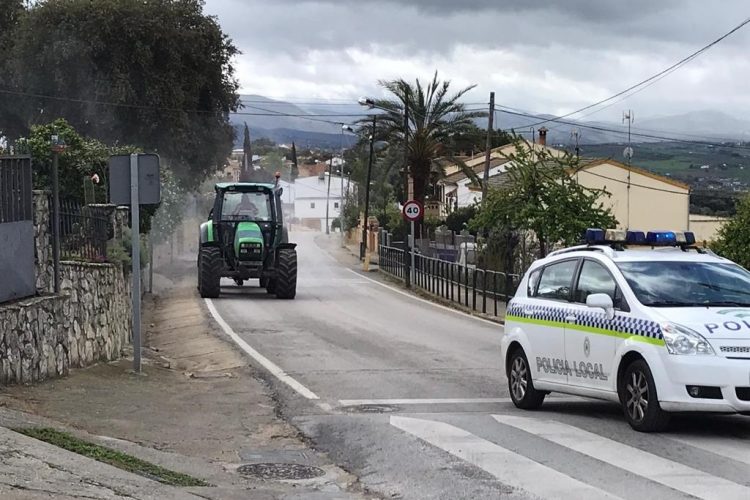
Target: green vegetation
{"x": 117, "y": 459}
{"x": 734, "y": 237}
{"x": 541, "y": 196}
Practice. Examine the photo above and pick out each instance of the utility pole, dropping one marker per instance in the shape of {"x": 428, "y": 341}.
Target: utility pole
{"x": 488, "y": 152}
{"x": 628, "y": 153}
{"x": 363, "y": 245}
{"x": 576, "y": 134}
{"x": 328, "y": 194}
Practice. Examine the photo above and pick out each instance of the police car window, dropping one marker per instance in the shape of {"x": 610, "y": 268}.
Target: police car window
{"x": 594, "y": 278}
{"x": 688, "y": 284}
{"x": 556, "y": 280}
{"x": 533, "y": 281}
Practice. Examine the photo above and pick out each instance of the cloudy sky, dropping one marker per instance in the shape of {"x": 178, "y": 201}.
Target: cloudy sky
{"x": 548, "y": 56}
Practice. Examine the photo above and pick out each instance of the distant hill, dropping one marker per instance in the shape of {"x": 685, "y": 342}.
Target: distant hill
{"x": 268, "y": 118}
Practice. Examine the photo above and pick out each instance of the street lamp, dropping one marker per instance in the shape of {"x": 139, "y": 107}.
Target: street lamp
{"x": 344, "y": 128}
{"x": 370, "y": 103}
{"x": 365, "y": 228}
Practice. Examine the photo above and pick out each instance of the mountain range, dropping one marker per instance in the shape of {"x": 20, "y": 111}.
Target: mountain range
{"x": 286, "y": 122}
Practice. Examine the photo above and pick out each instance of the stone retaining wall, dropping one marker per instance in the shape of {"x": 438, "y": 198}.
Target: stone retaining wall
{"x": 43, "y": 337}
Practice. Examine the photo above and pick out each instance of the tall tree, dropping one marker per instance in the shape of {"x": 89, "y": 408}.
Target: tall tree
{"x": 540, "y": 193}
{"x": 10, "y": 14}
{"x": 295, "y": 167}
{"x": 157, "y": 74}
{"x": 247, "y": 156}
{"x": 435, "y": 116}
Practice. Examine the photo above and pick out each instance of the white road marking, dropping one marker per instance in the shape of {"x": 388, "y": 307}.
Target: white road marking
{"x": 509, "y": 467}
{"x": 732, "y": 448}
{"x": 266, "y": 363}
{"x": 433, "y": 304}
{"x": 449, "y": 401}
{"x": 672, "y": 474}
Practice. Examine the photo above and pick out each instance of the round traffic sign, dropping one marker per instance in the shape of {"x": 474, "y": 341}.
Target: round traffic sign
{"x": 413, "y": 210}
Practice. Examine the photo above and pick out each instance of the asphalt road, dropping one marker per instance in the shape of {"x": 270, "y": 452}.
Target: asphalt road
{"x": 409, "y": 396}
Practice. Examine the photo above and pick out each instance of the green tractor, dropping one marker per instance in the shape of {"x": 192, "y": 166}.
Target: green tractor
{"x": 244, "y": 239}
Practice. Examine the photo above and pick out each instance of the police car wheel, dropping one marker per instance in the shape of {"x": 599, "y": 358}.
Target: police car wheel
{"x": 521, "y": 387}
{"x": 639, "y": 399}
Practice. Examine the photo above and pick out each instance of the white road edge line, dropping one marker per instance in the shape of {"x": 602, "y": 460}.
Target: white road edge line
{"x": 507, "y": 466}
{"x": 357, "y": 402}
{"x": 634, "y": 460}
{"x": 420, "y": 299}
{"x": 266, "y": 363}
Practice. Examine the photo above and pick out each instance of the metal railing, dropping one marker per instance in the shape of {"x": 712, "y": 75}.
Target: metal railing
{"x": 391, "y": 261}
{"x": 480, "y": 290}
{"x": 84, "y": 232}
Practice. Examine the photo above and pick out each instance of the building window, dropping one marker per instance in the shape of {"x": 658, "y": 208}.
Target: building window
{"x": 312, "y": 205}
{"x": 336, "y": 205}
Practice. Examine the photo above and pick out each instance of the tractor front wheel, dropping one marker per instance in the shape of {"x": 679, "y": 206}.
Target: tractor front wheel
{"x": 209, "y": 272}
{"x": 286, "y": 274}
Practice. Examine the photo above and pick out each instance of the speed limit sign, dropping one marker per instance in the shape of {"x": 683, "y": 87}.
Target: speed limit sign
{"x": 413, "y": 210}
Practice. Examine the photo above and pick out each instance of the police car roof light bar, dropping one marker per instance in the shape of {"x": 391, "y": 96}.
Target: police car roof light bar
{"x": 635, "y": 237}
{"x": 661, "y": 238}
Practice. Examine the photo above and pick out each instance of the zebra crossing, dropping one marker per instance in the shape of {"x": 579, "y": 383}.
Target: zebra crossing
{"x": 725, "y": 475}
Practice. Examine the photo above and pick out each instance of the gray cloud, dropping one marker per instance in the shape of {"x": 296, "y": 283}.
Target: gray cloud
{"x": 543, "y": 55}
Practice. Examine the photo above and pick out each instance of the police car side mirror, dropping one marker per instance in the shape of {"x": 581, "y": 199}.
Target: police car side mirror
{"x": 601, "y": 301}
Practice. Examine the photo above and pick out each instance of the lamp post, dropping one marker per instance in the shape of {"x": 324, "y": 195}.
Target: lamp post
{"x": 344, "y": 128}
{"x": 363, "y": 245}
{"x": 370, "y": 103}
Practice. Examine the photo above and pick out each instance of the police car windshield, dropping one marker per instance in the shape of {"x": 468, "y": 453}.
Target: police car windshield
{"x": 688, "y": 284}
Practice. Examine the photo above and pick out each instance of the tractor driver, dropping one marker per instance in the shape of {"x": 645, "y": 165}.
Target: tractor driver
{"x": 246, "y": 207}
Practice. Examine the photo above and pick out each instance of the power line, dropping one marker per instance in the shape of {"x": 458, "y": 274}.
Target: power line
{"x": 655, "y": 77}
{"x": 624, "y": 132}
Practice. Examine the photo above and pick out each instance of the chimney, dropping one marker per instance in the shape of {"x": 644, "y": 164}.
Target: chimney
{"x": 543, "y": 136}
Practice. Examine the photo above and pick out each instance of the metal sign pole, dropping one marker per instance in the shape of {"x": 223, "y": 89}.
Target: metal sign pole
{"x": 136, "y": 258}
{"x": 413, "y": 244}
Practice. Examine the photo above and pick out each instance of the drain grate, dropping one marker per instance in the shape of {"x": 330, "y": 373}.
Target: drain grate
{"x": 371, "y": 409}
{"x": 280, "y": 471}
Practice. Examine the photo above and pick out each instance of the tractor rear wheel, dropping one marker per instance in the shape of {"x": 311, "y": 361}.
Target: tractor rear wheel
{"x": 209, "y": 272}
{"x": 286, "y": 274}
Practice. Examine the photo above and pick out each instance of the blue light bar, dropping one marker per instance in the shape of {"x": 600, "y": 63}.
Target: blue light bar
{"x": 661, "y": 238}
{"x": 594, "y": 235}
{"x": 636, "y": 237}
{"x": 690, "y": 237}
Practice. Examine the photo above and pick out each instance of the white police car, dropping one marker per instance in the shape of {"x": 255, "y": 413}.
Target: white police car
{"x": 647, "y": 320}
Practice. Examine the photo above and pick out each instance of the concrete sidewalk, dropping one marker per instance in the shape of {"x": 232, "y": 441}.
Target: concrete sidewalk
{"x": 31, "y": 469}
{"x": 199, "y": 408}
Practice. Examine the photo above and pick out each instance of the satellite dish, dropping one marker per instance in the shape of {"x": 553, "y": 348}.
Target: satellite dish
{"x": 628, "y": 152}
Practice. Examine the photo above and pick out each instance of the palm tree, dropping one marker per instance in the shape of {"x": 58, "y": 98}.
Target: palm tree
{"x": 434, "y": 117}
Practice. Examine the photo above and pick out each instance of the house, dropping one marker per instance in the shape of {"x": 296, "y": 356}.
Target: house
{"x": 311, "y": 196}
{"x": 639, "y": 198}
{"x": 459, "y": 190}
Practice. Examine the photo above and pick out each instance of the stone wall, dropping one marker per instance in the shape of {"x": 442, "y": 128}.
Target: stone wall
{"x": 90, "y": 321}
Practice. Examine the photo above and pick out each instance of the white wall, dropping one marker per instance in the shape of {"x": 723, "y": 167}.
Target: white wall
{"x": 310, "y": 194}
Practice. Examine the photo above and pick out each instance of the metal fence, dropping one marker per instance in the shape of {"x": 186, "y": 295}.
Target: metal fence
{"x": 481, "y": 290}
{"x": 84, "y": 232}
{"x": 16, "y": 229}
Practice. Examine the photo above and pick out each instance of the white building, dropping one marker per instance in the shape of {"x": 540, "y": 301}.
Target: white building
{"x": 310, "y": 195}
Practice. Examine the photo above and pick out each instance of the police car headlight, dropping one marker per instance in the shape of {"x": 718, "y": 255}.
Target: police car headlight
{"x": 681, "y": 340}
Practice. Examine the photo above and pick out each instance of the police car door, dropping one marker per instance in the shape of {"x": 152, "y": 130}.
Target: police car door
{"x": 589, "y": 349}
{"x": 546, "y": 309}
